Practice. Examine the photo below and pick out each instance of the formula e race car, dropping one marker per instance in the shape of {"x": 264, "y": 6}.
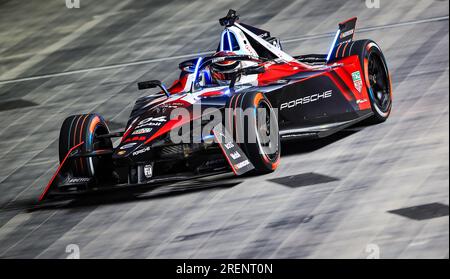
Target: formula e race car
{"x": 227, "y": 112}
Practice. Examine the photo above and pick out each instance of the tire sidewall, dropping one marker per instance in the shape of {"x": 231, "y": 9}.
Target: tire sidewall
{"x": 82, "y": 128}
{"x": 262, "y": 162}
{"x": 365, "y": 49}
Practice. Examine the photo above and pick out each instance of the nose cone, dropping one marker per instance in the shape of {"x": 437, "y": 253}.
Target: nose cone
{"x": 135, "y": 137}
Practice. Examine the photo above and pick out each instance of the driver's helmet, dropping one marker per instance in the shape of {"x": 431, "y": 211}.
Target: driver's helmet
{"x": 223, "y": 71}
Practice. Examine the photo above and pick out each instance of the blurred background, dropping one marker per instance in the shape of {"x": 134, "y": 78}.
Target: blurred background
{"x": 367, "y": 192}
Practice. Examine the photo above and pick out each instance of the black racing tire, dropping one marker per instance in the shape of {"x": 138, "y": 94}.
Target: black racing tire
{"x": 376, "y": 78}
{"x": 263, "y": 150}
{"x": 84, "y": 128}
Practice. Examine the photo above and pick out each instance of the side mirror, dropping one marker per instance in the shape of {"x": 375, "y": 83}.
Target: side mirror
{"x": 148, "y": 84}
{"x": 153, "y": 84}
{"x": 188, "y": 65}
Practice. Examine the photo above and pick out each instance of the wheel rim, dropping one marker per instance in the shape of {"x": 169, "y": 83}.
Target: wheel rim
{"x": 379, "y": 83}
{"x": 263, "y": 131}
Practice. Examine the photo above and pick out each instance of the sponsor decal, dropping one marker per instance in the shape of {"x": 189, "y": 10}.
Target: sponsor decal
{"x": 169, "y": 106}
{"x": 235, "y": 155}
{"x": 347, "y": 33}
{"x": 151, "y": 121}
{"x": 143, "y": 150}
{"x": 218, "y": 59}
{"x": 142, "y": 131}
{"x": 229, "y": 145}
{"x": 360, "y": 101}
{"x": 79, "y": 180}
{"x": 177, "y": 104}
{"x": 148, "y": 170}
{"x": 241, "y": 164}
{"x": 135, "y": 138}
{"x": 357, "y": 82}
{"x": 236, "y": 158}
{"x": 126, "y": 146}
{"x": 307, "y": 99}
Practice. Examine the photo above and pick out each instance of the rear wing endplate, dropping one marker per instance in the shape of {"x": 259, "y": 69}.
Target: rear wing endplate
{"x": 343, "y": 35}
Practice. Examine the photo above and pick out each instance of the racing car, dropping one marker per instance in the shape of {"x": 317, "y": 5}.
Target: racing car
{"x": 258, "y": 94}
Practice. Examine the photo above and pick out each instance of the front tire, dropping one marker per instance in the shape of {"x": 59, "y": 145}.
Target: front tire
{"x": 85, "y": 128}
{"x": 257, "y": 131}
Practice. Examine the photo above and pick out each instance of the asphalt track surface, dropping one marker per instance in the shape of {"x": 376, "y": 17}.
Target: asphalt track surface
{"x": 365, "y": 191}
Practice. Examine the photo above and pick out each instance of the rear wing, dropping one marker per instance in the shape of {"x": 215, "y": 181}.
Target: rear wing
{"x": 343, "y": 35}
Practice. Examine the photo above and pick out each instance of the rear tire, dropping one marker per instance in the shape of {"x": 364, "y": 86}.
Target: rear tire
{"x": 376, "y": 78}
{"x": 84, "y": 128}
{"x": 254, "y": 135}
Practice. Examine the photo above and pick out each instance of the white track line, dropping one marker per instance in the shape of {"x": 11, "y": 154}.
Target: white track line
{"x": 149, "y": 61}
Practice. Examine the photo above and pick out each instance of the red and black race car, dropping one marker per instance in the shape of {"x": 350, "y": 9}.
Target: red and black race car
{"x": 228, "y": 112}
